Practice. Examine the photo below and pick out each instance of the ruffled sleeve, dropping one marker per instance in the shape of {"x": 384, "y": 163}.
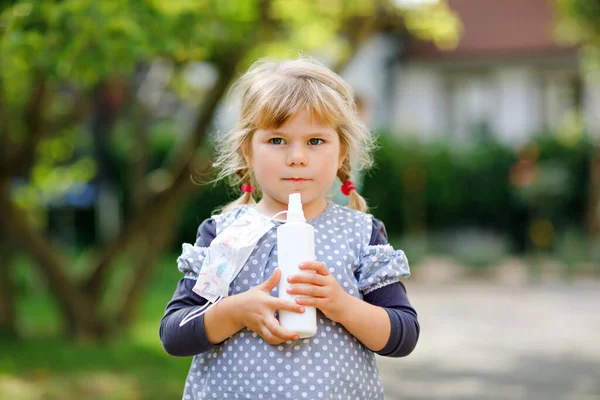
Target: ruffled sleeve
{"x": 381, "y": 265}
{"x": 191, "y": 259}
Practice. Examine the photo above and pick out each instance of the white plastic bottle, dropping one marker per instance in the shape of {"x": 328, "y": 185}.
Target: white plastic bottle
{"x": 295, "y": 244}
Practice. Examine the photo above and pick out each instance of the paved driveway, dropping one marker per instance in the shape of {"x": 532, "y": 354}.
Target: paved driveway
{"x": 484, "y": 341}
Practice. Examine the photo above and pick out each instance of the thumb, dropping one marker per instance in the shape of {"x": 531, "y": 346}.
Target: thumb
{"x": 273, "y": 280}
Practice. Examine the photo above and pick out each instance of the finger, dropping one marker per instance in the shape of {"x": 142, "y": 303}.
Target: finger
{"x": 273, "y": 280}
{"x": 310, "y": 278}
{"x": 268, "y": 337}
{"x": 286, "y": 305}
{"x": 307, "y": 290}
{"x": 317, "y": 266}
{"x": 316, "y": 302}
{"x": 279, "y": 331}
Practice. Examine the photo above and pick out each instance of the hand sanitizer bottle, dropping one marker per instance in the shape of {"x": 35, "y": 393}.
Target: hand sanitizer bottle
{"x": 295, "y": 244}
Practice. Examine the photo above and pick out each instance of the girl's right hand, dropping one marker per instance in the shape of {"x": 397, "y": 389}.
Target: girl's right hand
{"x": 257, "y": 311}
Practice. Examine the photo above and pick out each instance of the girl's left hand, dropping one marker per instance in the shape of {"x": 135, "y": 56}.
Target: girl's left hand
{"x": 320, "y": 290}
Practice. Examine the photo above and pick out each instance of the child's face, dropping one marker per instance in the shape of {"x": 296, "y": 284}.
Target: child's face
{"x": 301, "y": 156}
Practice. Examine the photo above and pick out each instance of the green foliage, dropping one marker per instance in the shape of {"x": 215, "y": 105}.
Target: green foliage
{"x": 84, "y": 40}
{"x": 437, "y": 186}
{"x": 59, "y": 169}
{"x": 579, "y": 24}
{"x": 580, "y": 19}
{"x": 202, "y": 206}
{"x": 573, "y": 247}
{"x": 80, "y": 43}
{"x": 435, "y": 22}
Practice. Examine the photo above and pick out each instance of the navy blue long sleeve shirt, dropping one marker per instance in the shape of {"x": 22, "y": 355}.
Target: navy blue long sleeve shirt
{"x": 191, "y": 338}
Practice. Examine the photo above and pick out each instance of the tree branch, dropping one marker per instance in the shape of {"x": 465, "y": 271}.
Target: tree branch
{"x": 150, "y": 248}
{"x": 188, "y": 164}
{"x": 8, "y": 307}
{"x": 37, "y": 128}
{"x": 359, "y": 29}
{"x": 144, "y": 223}
{"x": 33, "y": 121}
{"x": 53, "y": 266}
{"x": 3, "y": 131}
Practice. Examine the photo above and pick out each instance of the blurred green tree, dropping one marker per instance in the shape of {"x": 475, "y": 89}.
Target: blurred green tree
{"x": 70, "y": 72}
{"x": 579, "y": 24}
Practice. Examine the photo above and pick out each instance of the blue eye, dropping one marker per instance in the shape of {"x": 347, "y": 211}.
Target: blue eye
{"x": 276, "y": 141}
{"x": 315, "y": 142}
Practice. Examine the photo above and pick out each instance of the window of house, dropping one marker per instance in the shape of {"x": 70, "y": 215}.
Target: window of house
{"x": 472, "y": 98}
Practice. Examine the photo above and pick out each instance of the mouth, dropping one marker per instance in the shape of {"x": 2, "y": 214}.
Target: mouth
{"x": 295, "y": 180}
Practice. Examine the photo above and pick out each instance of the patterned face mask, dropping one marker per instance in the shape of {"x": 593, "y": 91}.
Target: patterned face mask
{"x": 226, "y": 256}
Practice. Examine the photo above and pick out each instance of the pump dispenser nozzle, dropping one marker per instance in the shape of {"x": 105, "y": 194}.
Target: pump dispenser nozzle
{"x": 295, "y": 212}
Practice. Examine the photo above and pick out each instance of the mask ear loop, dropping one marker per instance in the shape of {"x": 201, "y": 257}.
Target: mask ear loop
{"x": 279, "y": 213}
{"x": 195, "y": 314}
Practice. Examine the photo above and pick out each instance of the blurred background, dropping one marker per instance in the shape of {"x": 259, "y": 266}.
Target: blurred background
{"x": 487, "y": 114}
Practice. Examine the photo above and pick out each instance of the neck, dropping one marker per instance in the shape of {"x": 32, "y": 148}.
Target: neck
{"x": 270, "y": 207}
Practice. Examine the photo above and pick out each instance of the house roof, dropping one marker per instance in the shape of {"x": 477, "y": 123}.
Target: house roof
{"x": 498, "y": 28}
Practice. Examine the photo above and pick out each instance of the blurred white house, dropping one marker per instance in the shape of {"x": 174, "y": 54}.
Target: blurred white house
{"x": 508, "y": 77}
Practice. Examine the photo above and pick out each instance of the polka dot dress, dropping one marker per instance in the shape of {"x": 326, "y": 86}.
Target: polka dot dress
{"x": 333, "y": 364}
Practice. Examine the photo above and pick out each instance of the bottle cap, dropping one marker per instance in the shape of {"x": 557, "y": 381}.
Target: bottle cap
{"x": 295, "y": 212}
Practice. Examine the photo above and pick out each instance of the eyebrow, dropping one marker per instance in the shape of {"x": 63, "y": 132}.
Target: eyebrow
{"x": 311, "y": 134}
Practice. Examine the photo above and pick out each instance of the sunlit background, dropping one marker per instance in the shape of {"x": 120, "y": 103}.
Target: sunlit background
{"x": 487, "y": 114}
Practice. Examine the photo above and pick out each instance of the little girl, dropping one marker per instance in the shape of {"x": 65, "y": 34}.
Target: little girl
{"x": 298, "y": 131}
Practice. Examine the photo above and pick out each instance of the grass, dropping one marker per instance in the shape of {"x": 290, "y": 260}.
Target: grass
{"x": 46, "y": 366}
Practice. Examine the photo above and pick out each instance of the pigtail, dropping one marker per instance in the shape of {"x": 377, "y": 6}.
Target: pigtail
{"x": 355, "y": 201}
{"x": 244, "y": 178}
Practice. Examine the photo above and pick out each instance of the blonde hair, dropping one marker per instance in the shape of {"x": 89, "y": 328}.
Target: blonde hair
{"x": 274, "y": 91}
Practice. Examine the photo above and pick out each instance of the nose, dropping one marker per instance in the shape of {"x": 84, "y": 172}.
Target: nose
{"x": 297, "y": 155}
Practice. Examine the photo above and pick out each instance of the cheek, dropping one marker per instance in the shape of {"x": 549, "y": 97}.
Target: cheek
{"x": 263, "y": 155}
{"x": 258, "y": 155}
{"x": 329, "y": 164}
{"x": 265, "y": 163}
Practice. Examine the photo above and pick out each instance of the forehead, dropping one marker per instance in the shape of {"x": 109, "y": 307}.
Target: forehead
{"x": 303, "y": 121}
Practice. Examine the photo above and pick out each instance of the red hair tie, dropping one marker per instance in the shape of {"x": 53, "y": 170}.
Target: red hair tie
{"x": 247, "y": 188}
{"x": 347, "y": 187}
